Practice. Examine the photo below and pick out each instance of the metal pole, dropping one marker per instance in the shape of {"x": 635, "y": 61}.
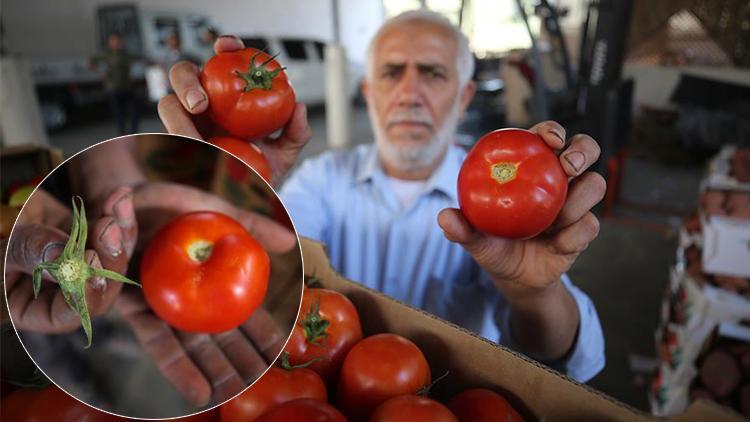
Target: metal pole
{"x": 338, "y": 106}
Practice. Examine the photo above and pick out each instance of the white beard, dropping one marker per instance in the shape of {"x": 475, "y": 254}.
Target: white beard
{"x": 408, "y": 158}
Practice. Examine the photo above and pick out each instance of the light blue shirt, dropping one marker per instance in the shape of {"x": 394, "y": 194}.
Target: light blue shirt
{"x": 344, "y": 200}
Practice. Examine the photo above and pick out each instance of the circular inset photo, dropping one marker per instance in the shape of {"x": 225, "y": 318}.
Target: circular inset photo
{"x": 153, "y": 276}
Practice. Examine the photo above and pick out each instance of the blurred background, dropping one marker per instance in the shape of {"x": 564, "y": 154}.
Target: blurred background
{"x": 663, "y": 86}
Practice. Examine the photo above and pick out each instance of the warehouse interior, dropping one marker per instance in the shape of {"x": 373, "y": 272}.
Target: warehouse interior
{"x": 664, "y": 88}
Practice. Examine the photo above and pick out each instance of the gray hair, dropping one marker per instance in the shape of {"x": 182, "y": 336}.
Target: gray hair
{"x": 464, "y": 58}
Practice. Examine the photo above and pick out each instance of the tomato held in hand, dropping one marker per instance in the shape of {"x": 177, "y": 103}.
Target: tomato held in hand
{"x": 246, "y": 151}
{"x": 303, "y": 410}
{"x": 328, "y": 327}
{"x": 249, "y": 95}
{"x": 203, "y": 272}
{"x": 482, "y": 405}
{"x": 511, "y": 184}
{"x": 378, "y": 368}
{"x": 412, "y": 408}
{"x": 276, "y": 386}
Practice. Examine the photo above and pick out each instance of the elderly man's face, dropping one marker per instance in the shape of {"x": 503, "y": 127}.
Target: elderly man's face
{"x": 413, "y": 94}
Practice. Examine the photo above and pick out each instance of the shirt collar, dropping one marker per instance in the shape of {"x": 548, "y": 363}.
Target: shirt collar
{"x": 444, "y": 179}
{"x": 370, "y": 165}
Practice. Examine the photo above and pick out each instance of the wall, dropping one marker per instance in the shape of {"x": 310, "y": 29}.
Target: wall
{"x": 654, "y": 84}
{"x": 47, "y": 28}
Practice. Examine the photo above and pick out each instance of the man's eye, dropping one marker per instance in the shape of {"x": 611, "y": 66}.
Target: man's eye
{"x": 435, "y": 74}
{"x": 391, "y": 74}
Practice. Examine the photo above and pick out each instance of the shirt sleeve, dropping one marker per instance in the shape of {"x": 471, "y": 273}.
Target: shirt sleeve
{"x": 304, "y": 196}
{"x": 586, "y": 359}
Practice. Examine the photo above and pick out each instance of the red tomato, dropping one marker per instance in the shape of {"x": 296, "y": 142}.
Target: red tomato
{"x": 328, "y": 326}
{"x": 303, "y": 410}
{"x": 203, "y": 272}
{"x": 49, "y": 404}
{"x": 246, "y": 151}
{"x": 378, "y": 368}
{"x": 511, "y": 184}
{"x": 276, "y": 386}
{"x": 482, "y": 405}
{"x": 249, "y": 95}
{"x": 412, "y": 408}
{"x": 209, "y": 416}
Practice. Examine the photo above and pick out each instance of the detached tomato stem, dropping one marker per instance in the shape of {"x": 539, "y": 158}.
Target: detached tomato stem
{"x": 259, "y": 77}
{"x": 285, "y": 364}
{"x": 315, "y": 325}
{"x": 425, "y": 391}
{"x": 71, "y": 270}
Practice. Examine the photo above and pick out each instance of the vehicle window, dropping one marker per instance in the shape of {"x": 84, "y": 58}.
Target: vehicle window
{"x": 295, "y": 49}
{"x": 257, "y": 43}
{"x": 198, "y": 27}
{"x": 122, "y": 20}
{"x": 320, "y": 48}
{"x": 166, "y": 27}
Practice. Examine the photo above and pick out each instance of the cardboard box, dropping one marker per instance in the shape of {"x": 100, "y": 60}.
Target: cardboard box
{"x": 720, "y": 174}
{"x": 534, "y": 390}
{"x": 726, "y": 246}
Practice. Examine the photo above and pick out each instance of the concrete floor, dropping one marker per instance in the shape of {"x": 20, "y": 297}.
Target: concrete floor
{"x": 624, "y": 270}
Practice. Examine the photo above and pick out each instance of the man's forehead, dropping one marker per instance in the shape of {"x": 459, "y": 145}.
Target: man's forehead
{"x": 424, "y": 42}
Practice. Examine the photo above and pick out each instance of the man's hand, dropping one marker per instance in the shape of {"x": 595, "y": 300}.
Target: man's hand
{"x": 183, "y": 113}
{"x": 528, "y": 272}
{"x": 156, "y": 203}
{"x": 204, "y": 366}
{"x": 40, "y": 235}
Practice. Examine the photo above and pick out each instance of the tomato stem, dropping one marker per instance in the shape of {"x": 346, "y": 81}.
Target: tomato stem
{"x": 72, "y": 271}
{"x": 200, "y": 250}
{"x": 425, "y": 391}
{"x": 314, "y": 325}
{"x": 259, "y": 77}
{"x": 285, "y": 364}
{"x": 503, "y": 172}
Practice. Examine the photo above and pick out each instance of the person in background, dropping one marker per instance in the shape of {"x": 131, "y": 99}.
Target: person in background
{"x": 119, "y": 84}
{"x": 208, "y": 39}
{"x": 174, "y": 53}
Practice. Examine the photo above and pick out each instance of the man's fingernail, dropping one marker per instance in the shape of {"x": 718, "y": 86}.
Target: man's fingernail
{"x": 557, "y": 134}
{"x": 193, "y": 98}
{"x": 124, "y": 213}
{"x": 575, "y": 159}
{"x": 111, "y": 238}
{"x": 234, "y": 37}
{"x": 97, "y": 283}
{"x": 52, "y": 251}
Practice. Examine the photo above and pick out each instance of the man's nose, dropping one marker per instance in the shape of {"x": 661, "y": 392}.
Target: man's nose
{"x": 409, "y": 90}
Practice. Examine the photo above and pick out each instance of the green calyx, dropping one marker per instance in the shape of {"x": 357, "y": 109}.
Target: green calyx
{"x": 72, "y": 271}
{"x": 259, "y": 77}
{"x": 314, "y": 325}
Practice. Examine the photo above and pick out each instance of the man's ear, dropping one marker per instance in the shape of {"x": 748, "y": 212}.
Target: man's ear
{"x": 467, "y": 95}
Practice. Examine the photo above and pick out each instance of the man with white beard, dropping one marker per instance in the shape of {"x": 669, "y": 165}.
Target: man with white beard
{"x": 388, "y": 211}
{"x": 379, "y": 208}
